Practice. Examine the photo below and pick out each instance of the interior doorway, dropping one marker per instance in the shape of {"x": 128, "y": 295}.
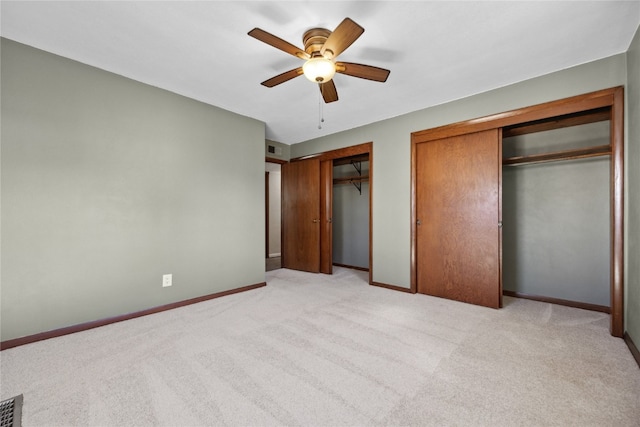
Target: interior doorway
{"x": 273, "y": 215}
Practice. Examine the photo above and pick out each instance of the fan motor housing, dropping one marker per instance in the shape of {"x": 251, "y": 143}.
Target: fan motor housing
{"x": 314, "y": 39}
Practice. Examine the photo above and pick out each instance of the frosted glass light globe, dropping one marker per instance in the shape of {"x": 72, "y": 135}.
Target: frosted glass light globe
{"x": 319, "y": 70}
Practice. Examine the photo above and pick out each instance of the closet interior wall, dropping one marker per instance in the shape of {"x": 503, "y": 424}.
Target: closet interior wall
{"x": 351, "y": 214}
{"x": 556, "y": 217}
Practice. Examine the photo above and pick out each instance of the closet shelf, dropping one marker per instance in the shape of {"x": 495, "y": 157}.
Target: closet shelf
{"x": 567, "y": 120}
{"x": 356, "y": 180}
{"x": 580, "y": 153}
{"x": 351, "y": 179}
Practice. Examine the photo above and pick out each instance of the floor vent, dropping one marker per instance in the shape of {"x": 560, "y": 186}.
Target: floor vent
{"x": 11, "y": 412}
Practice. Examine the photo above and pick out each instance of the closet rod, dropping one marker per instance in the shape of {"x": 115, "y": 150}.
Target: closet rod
{"x": 581, "y": 153}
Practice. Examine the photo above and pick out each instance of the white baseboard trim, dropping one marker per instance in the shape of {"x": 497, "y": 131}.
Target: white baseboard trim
{"x": 275, "y": 255}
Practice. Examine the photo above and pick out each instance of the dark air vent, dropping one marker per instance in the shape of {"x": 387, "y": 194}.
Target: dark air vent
{"x": 11, "y": 412}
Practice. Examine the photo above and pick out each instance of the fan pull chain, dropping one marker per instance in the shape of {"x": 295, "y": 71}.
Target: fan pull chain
{"x": 320, "y": 110}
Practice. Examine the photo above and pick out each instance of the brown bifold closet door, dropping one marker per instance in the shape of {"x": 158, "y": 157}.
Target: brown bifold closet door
{"x": 301, "y": 215}
{"x": 458, "y": 218}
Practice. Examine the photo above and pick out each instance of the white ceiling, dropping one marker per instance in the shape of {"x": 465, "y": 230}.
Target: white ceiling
{"x": 437, "y": 51}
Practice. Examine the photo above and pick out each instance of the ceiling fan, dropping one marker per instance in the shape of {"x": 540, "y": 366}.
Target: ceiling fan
{"x": 321, "y": 48}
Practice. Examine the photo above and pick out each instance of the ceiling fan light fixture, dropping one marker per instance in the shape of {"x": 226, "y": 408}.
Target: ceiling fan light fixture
{"x": 321, "y": 48}
{"x": 319, "y": 69}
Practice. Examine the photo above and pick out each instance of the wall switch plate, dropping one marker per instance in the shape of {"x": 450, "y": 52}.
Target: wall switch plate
{"x": 166, "y": 280}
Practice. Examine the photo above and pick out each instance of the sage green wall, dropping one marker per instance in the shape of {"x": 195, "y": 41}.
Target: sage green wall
{"x": 107, "y": 184}
{"x": 392, "y": 149}
{"x": 632, "y": 273}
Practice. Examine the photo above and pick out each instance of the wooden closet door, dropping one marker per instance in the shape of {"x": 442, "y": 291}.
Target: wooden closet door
{"x": 326, "y": 214}
{"x": 301, "y": 215}
{"x": 458, "y": 218}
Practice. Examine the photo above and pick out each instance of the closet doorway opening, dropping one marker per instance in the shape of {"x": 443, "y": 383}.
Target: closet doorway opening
{"x": 308, "y": 209}
{"x": 556, "y": 217}
{"x": 604, "y": 141}
{"x": 350, "y": 212}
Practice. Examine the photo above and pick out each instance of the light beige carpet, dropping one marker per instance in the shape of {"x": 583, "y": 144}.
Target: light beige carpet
{"x": 322, "y": 350}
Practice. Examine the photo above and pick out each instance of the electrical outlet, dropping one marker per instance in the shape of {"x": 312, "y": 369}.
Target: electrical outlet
{"x": 166, "y": 280}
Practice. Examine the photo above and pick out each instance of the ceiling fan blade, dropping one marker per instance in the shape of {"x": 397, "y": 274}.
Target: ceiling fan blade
{"x": 362, "y": 71}
{"x": 328, "y": 91}
{"x": 341, "y": 38}
{"x": 278, "y": 43}
{"x": 281, "y": 78}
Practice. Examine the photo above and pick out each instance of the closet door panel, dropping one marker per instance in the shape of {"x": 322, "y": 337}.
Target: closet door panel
{"x": 301, "y": 215}
{"x": 457, "y": 209}
{"x": 326, "y": 220}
